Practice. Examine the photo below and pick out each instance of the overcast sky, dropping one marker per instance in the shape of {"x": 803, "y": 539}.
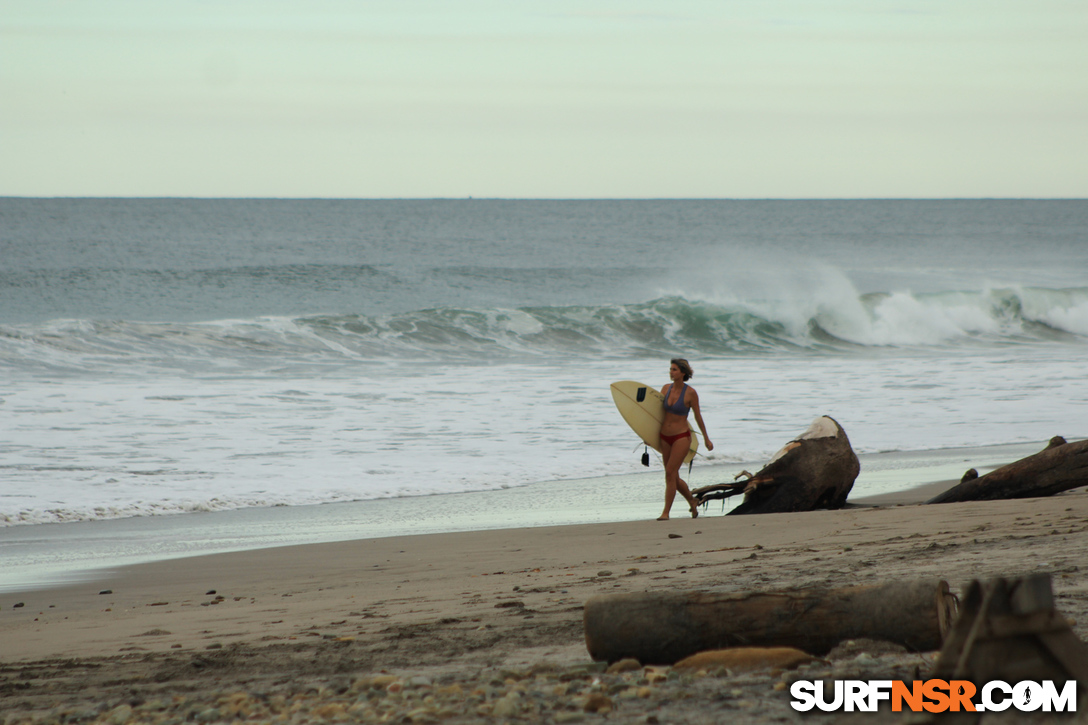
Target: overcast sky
{"x": 520, "y": 98}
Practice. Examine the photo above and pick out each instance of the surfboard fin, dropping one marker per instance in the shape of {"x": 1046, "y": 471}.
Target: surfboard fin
{"x": 646, "y": 457}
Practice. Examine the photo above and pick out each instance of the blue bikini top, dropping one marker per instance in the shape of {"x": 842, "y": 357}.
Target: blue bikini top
{"x": 678, "y": 407}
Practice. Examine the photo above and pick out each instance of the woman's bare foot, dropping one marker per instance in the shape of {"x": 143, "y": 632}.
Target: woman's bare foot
{"x": 694, "y": 512}
{"x": 662, "y": 518}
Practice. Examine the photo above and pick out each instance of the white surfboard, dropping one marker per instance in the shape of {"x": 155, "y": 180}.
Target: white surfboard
{"x": 643, "y": 407}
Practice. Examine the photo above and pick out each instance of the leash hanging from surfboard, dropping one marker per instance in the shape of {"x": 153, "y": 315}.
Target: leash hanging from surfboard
{"x": 646, "y": 458}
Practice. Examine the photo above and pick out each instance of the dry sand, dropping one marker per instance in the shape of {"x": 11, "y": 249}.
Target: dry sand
{"x": 486, "y": 626}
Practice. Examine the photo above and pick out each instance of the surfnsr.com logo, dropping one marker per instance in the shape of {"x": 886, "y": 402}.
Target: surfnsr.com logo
{"x": 935, "y": 696}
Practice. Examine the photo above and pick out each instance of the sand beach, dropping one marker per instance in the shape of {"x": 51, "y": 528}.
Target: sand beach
{"x": 486, "y": 625}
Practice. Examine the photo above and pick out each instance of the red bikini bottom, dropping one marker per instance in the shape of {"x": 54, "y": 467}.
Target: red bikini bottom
{"x": 672, "y": 439}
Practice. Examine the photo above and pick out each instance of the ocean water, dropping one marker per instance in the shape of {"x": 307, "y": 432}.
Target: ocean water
{"x": 166, "y": 356}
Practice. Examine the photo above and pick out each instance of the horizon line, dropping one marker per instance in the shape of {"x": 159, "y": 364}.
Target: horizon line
{"x": 544, "y": 198}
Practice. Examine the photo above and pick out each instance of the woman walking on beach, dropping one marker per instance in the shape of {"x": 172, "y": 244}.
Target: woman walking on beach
{"x": 676, "y": 433}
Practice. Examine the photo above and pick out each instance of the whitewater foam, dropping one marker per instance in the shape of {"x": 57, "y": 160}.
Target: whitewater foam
{"x": 100, "y": 446}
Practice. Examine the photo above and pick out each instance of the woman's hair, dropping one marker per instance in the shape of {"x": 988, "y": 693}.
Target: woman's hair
{"x": 684, "y": 365}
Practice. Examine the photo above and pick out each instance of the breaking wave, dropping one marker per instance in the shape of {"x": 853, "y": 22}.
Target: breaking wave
{"x": 668, "y": 325}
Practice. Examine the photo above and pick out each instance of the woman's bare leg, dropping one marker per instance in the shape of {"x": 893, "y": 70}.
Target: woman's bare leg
{"x": 682, "y": 487}
{"x": 673, "y": 456}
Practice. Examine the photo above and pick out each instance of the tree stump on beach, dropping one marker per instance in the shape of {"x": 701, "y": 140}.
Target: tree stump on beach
{"x": 1009, "y": 629}
{"x": 665, "y": 627}
{"x": 817, "y": 470}
{"x": 1059, "y": 467}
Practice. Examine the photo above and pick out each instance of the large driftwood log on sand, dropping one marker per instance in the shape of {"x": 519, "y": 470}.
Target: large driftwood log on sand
{"x": 817, "y": 470}
{"x": 665, "y": 627}
{"x": 1059, "y": 467}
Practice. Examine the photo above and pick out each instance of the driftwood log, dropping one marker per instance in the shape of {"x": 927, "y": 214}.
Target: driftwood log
{"x": 665, "y": 627}
{"x": 1059, "y": 467}
{"x": 817, "y": 470}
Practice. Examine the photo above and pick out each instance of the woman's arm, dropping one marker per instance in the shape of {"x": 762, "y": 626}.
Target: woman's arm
{"x": 699, "y": 419}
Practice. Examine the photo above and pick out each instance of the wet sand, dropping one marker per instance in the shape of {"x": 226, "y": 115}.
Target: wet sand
{"x": 46, "y": 555}
{"x": 487, "y": 624}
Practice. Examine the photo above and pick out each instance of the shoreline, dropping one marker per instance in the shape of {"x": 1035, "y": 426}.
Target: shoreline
{"x": 50, "y": 555}
{"x": 915, "y": 495}
{"x": 487, "y": 610}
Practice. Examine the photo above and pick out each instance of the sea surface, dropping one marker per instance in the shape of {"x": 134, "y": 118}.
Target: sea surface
{"x": 172, "y": 356}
